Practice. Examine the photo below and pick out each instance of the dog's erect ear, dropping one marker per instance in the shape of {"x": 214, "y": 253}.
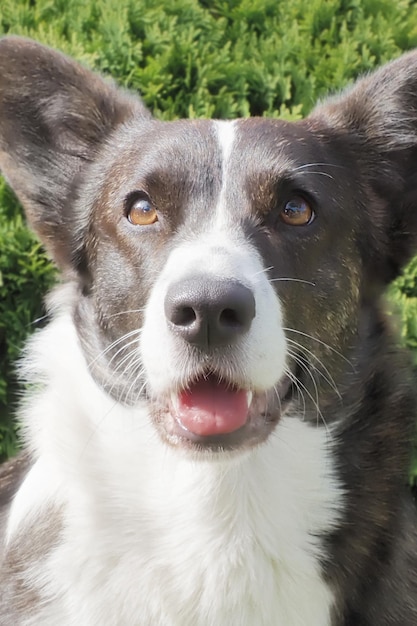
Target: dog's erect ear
{"x": 377, "y": 121}
{"x": 54, "y": 116}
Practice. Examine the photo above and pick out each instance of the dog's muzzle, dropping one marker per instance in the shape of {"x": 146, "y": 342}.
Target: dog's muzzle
{"x": 210, "y": 314}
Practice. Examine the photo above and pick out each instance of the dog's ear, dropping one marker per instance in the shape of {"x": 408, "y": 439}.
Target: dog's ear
{"x": 376, "y": 122}
{"x": 54, "y": 117}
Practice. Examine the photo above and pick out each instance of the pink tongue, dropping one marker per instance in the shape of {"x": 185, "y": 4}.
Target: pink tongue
{"x": 209, "y": 407}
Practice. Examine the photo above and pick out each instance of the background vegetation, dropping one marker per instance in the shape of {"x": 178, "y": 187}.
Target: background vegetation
{"x": 193, "y": 58}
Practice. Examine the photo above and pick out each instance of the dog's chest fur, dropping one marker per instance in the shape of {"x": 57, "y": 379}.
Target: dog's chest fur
{"x": 202, "y": 543}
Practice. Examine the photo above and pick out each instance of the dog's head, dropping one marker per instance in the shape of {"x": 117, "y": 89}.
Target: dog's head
{"x": 226, "y": 272}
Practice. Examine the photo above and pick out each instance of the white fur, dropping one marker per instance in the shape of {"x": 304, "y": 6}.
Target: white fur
{"x": 226, "y": 135}
{"x": 155, "y": 537}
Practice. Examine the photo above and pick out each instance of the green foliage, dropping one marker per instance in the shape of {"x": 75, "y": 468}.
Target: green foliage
{"x": 403, "y": 293}
{"x": 194, "y": 58}
{"x": 222, "y": 58}
{"x": 25, "y": 275}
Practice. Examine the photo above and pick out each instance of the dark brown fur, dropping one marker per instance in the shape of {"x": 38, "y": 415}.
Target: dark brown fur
{"x": 73, "y": 148}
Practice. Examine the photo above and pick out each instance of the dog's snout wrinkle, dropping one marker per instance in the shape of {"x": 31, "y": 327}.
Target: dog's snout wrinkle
{"x": 209, "y": 312}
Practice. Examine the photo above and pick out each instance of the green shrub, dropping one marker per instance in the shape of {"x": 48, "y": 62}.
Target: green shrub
{"x": 403, "y": 294}
{"x": 193, "y": 58}
{"x": 25, "y": 274}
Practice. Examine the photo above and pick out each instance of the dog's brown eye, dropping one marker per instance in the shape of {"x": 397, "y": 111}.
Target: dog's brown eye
{"x": 297, "y": 212}
{"x": 142, "y": 213}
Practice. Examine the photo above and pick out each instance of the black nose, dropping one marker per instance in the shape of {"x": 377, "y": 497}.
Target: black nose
{"x": 207, "y": 312}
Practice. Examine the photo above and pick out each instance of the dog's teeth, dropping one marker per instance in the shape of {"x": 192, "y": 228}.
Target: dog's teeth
{"x": 249, "y": 397}
{"x": 175, "y": 401}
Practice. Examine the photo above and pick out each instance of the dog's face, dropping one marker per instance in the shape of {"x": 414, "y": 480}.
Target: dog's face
{"x": 218, "y": 265}
{"x": 226, "y": 271}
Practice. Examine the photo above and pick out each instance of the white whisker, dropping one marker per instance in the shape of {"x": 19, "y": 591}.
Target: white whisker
{"x": 114, "y": 344}
{"x": 294, "y": 280}
{"x": 125, "y": 313}
{"x": 306, "y": 165}
{"x": 323, "y": 343}
{"x": 327, "y": 376}
{"x": 295, "y": 382}
{"x": 263, "y": 271}
{"x": 315, "y": 402}
{"x": 124, "y": 347}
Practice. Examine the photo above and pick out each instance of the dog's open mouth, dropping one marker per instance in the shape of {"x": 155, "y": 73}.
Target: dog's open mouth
{"x": 212, "y": 413}
{"x": 211, "y": 407}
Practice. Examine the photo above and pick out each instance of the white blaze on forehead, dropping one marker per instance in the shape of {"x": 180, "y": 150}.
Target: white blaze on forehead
{"x": 226, "y": 134}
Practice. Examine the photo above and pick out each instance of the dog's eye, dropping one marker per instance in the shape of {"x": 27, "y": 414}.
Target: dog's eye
{"x": 141, "y": 212}
{"x": 297, "y": 212}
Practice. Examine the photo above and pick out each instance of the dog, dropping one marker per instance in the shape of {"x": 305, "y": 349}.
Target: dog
{"x": 218, "y": 417}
